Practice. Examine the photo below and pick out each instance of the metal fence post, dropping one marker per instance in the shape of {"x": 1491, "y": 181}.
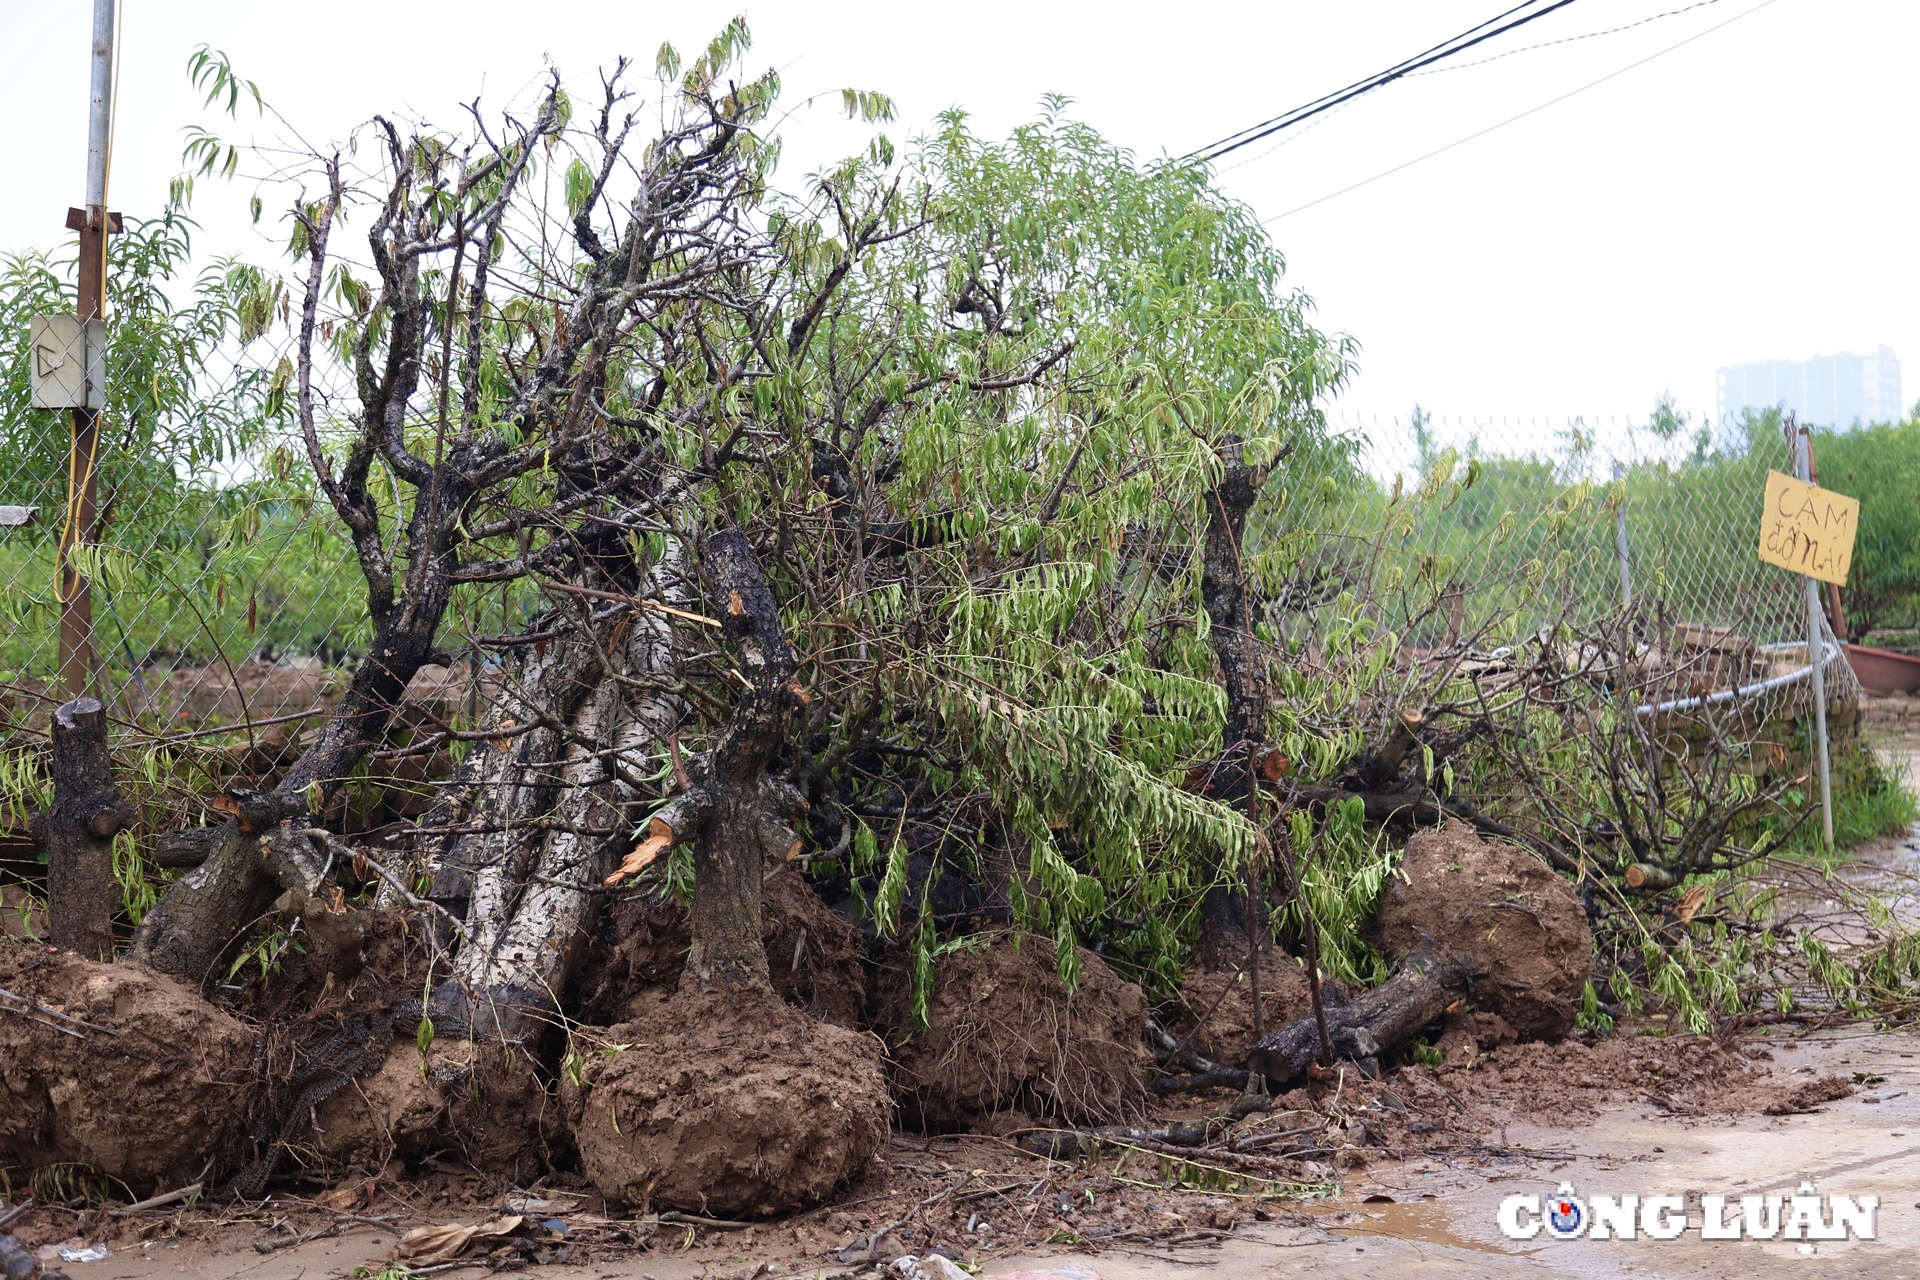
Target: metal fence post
{"x": 1802, "y": 443}
{"x": 78, "y": 658}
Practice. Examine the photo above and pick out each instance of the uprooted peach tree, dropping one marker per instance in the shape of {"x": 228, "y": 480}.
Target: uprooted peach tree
{"x": 884, "y": 608}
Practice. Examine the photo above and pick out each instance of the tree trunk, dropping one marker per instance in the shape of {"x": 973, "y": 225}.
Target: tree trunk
{"x": 208, "y": 909}
{"x": 249, "y": 866}
{"x": 76, "y": 834}
{"x": 729, "y": 863}
{"x": 1372, "y": 1024}
{"x": 740, "y": 823}
{"x": 553, "y": 808}
{"x": 1223, "y": 590}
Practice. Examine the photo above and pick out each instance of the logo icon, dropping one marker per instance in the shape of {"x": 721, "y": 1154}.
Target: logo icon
{"x": 1566, "y": 1214}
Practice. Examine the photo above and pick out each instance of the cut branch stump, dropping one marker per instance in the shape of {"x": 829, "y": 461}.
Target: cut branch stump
{"x": 77, "y": 832}
{"x": 1387, "y": 1016}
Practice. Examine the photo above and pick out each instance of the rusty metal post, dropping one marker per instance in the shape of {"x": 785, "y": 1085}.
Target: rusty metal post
{"x": 79, "y": 661}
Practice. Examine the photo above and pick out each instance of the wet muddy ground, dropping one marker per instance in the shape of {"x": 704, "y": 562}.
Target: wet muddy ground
{"x": 1431, "y": 1213}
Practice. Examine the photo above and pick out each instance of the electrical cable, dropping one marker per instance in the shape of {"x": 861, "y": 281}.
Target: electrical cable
{"x": 1355, "y": 85}
{"x": 1297, "y": 134}
{"x": 1387, "y": 173}
{"x": 1443, "y": 50}
{"x": 1550, "y": 44}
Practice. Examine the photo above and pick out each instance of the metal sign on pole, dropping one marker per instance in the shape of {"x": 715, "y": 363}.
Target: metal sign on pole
{"x": 77, "y": 351}
{"x": 69, "y": 365}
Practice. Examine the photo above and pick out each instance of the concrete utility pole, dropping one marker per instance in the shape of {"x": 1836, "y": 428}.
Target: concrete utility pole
{"x": 78, "y": 660}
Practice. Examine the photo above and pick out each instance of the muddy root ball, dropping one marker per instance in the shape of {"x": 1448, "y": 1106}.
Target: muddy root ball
{"x": 117, "y": 1068}
{"x": 1518, "y": 927}
{"x": 731, "y": 1103}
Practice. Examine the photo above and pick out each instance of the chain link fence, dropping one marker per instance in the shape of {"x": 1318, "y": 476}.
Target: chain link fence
{"x": 1471, "y": 537}
{"x": 219, "y": 595}
{"x": 225, "y": 599}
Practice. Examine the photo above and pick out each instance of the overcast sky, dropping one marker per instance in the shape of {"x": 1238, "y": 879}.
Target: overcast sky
{"x": 1748, "y": 195}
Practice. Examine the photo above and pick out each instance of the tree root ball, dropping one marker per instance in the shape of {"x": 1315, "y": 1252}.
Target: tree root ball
{"x": 485, "y": 1102}
{"x": 1003, "y": 1034}
{"x": 1518, "y": 927}
{"x": 1215, "y": 1005}
{"x": 725, "y": 1102}
{"x": 150, "y": 1090}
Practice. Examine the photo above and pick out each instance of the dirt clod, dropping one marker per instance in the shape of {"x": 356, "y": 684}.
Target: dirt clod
{"x": 134, "y": 1075}
{"x": 483, "y": 1102}
{"x": 1003, "y": 1034}
{"x": 1519, "y": 927}
{"x": 1805, "y": 1097}
{"x": 727, "y": 1103}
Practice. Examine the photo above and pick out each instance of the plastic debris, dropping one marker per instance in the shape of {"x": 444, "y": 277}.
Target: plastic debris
{"x": 931, "y": 1267}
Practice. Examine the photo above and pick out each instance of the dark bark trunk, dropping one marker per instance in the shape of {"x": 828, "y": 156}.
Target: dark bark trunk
{"x": 207, "y": 910}
{"x": 76, "y": 834}
{"x": 739, "y": 825}
{"x": 1223, "y": 591}
{"x": 729, "y": 864}
{"x": 402, "y": 644}
{"x": 1372, "y": 1024}
{"x": 249, "y": 867}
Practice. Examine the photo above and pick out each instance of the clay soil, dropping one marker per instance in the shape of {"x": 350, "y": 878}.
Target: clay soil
{"x": 1005, "y": 1044}
{"x": 690, "y": 1127}
{"x": 724, "y": 1102}
{"x": 1214, "y": 1010}
{"x": 115, "y": 1065}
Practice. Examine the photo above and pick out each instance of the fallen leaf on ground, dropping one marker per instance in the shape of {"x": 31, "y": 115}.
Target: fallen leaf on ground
{"x": 427, "y": 1245}
{"x": 341, "y": 1197}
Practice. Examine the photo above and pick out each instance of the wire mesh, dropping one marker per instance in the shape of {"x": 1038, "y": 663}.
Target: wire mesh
{"x": 224, "y": 605}
{"x": 226, "y": 600}
{"x": 1471, "y": 537}
{"x": 223, "y": 594}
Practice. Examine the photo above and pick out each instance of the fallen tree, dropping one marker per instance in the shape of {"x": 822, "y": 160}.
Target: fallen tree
{"x": 871, "y": 528}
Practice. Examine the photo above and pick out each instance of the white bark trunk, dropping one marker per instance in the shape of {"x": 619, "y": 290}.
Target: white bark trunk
{"x": 534, "y": 888}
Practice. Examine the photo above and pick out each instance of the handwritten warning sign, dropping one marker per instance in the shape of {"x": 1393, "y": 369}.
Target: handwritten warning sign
{"x": 1808, "y": 529}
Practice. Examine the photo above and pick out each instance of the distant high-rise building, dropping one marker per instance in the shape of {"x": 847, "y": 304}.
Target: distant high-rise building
{"x": 1828, "y": 391}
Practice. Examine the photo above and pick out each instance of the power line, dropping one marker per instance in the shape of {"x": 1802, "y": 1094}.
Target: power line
{"x": 1550, "y": 44}
{"x": 1343, "y": 93}
{"x": 1488, "y": 30}
{"x": 1387, "y": 173}
{"x": 1295, "y": 135}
